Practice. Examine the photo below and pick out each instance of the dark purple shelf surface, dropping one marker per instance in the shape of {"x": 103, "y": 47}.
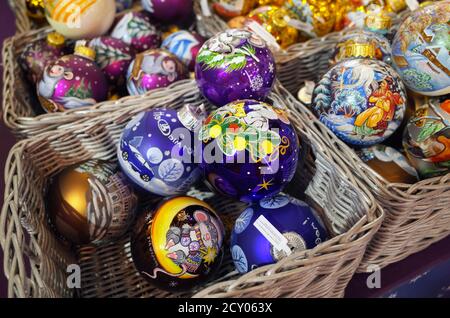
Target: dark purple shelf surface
{"x": 391, "y": 276}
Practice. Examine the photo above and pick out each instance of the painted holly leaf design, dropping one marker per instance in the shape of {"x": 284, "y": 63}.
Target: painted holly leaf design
{"x": 230, "y": 62}
{"x": 243, "y": 221}
{"x": 83, "y": 91}
{"x": 429, "y": 129}
{"x": 239, "y": 259}
{"x": 171, "y": 170}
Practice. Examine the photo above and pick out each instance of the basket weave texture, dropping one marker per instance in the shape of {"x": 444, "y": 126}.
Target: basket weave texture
{"x": 35, "y": 261}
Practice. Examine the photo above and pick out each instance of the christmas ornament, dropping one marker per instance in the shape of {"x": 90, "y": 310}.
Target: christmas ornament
{"x": 178, "y": 245}
{"x": 91, "y": 202}
{"x": 319, "y": 15}
{"x": 235, "y": 64}
{"x": 275, "y": 20}
{"x": 114, "y": 57}
{"x": 421, "y": 50}
{"x": 156, "y": 150}
{"x": 361, "y": 100}
{"x": 122, "y": 5}
{"x": 169, "y": 11}
{"x": 185, "y": 45}
{"x": 72, "y": 81}
{"x": 361, "y": 37}
{"x": 269, "y": 2}
{"x": 38, "y": 54}
{"x": 272, "y": 229}
{"x": 239, "y": 22}
{"x": 390, "y": 163}
{"x": 426, "y": 138}
{"x": 250, "y": 150}
{"x": 135, "y": 29}
{"x": 79, "y": 19}
{"x": 35, "y": 10}
{"x": 154, "y": 69}
{"x": 228, "y": 9}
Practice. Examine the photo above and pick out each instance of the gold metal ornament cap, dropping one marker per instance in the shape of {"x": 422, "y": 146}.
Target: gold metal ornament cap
{"x": 85, "y": 51}
{"x": 364, "y": 50}
{"x": 55, "y": 39}
{"x": 378, "y": 21}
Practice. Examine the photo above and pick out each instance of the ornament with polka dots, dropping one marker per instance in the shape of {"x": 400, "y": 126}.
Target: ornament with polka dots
{"x": 135, "y": 29}
{"x": 114, "y": 57}
{"x": 72, "y": 81}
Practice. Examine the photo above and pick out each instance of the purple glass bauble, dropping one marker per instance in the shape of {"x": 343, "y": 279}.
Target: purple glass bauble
{"x": 114, "y": 57}
{"x": 135, "y": 29}
{"x": 297, "y": 228}
{"x": 185, "y": 45}
{"x": 250, "y": 150}
{"x": 169, "y": 11}
{"x": 38, "y": 54}
{"x": 156, "y": 150}
{"x": 122, "y": 5}
{"x": 235, "y": 64}
{"x": 154, "y": 69}
{"x": 70, "y": 82}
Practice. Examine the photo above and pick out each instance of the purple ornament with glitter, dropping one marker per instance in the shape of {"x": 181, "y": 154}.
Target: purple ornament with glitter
{"x": 134, "y": 28}
{"x": 156, "y": 150}
{"x": 235, "y": 64}
{"x": 273, "y": 228}
{"x": 114, "y": 57}
{"x": 38, "y": 54}
{"x": 250, "y": 150}
{"x": 72, "y": 81}
{"x": 185, "y": 45}
{"x": 169, "y": 11}
{"x": 154, "y": 69}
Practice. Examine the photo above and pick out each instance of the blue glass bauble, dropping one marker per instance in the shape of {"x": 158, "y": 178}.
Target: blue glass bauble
{"x": 297, "y": 223}
{"x": 156, "y": 150}
{"x": 362, "y": 101}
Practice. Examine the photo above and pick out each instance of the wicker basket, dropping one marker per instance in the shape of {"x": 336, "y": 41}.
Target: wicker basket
{"x": 35, "y": 261}
{"x": 417, "y": 215}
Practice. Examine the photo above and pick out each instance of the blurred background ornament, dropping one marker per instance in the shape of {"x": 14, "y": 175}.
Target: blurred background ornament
{"x": 135, "y": 29}
{"x": 90, "y": 203}
{"x": 72, "y": 81}
{"x": 185, "y": 45}
{"x": 169, "y": 11}
{"x": 154, "y": 69}
{"x": 156, "y": 150}
{"x": 390, "y": 163}
{"x": 38, "y": 54}
{"x": 122, "y": 5}
{"x": 113, "y": 56}
{"x": 421, "y": 50}
{"x": 250, "y": 150}
{"x": 79, "y": 19}
{"x": 229, "y": 9}
{"x": 276, "y": 21}
{"x": 426, "y": 138}
{"x": 235, "y": 64}
{"x": 179, "y": 244}
{"x": 272, "y": 229}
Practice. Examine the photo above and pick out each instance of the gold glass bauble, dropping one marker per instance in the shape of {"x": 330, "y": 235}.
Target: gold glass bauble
{"x": 275, "y": 20}
{"x": 91, "y": 202}
{"x": 35, "y": 10}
